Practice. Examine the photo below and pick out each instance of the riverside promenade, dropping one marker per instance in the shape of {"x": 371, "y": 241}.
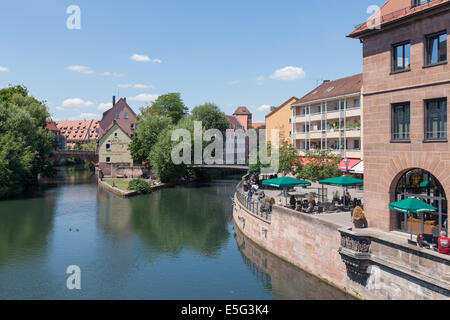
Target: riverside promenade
{"x": 367, "y": 263}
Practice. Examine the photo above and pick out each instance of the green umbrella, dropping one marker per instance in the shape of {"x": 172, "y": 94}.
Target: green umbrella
{"x": 285, "y": 182}
{"x": 343, "y": 181}
{"x": 412, "y": 205}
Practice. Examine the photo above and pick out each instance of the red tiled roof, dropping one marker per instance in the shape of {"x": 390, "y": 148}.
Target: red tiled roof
{"x": 394, "y": 10}
{"x": 335, "y": 88}
{"x": 258, "y": 124}
{"x": 242, "y": 111}
{"x": 77, "y": 130}
{"x": 51, "y": 126}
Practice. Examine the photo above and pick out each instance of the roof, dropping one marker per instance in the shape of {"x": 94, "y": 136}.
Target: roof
{"x": 281, "y": 107}
{"x": 112, "y": 126}
{"x": 242, "y": 111}
{"x": 79, "y": 130}
{"x": 256, "y": 125}
{"x": 335, "y": 88}
{"x": 51, "y": 126}
{"x": 395, "y": 10}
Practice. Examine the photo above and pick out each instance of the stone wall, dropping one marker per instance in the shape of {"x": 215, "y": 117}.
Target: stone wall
{"x": 372, "y": 265}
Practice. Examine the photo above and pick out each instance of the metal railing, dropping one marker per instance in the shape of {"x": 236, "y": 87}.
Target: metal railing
{"x": 255, "y": 207}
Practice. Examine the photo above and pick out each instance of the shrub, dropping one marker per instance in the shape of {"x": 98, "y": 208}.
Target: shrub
{"x": 140, "y": 186}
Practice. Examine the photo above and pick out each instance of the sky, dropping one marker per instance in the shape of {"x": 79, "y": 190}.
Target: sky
{"x": 232, "y": 53}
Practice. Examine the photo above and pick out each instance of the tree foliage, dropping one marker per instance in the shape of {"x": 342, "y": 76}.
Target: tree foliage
{"x": 161, "y": 153}
{"x": 288, "y": 155}
{"x": 147, "y": 135}
{"x": 140, "y": 186}
{"x": 170, "y": 105}
{"x": 319, "y": 165}
{"x": 25, "y": 144}
{"x": 211, "y": 117}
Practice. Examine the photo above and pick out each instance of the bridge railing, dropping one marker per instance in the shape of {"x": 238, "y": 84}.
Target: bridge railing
{"x": 257, "y": 208}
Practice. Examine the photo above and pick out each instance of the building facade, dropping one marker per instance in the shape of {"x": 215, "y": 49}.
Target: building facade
{"x": 113, "y": 149}
{"x": 280, "y": 119}
{"x": 406, "y": 89}
{"x": 330, "y": 117}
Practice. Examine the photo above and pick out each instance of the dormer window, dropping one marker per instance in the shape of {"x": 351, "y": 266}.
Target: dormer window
{"x": 329, "y": 89}
{"x": 416, "y": 3}
{"x": 125, "y": 115}
{"x": 117, "y": 115}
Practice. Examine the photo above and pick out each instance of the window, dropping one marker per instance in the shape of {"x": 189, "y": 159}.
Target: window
{"x": 117, "y": 115}
{"x": 132, "y": 126}
{"x": 125, "y": 115}
{"x": 329, "y": 89}
{"x": 436, "y": 48}
{"x": 401, "y": 57}
{"x": 108, "y": 146}
{"x": 416, "y": 3}
{"x": 116, "y": 135}
{"x": 436, "y": 119}
{"x": 108, "y": 159}
{"x": 357, "y": 103}
{"x": 401, "y": 122}
{"x": 356, "y": 145}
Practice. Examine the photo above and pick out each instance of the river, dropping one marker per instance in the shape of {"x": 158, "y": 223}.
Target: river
{"x": 176, "y": 243}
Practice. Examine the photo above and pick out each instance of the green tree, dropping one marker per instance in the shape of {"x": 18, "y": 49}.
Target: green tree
{"x": 25, "y": 144}
{"x": 320, "y": 165}
{"x": 147, "y": 135}
{"x": 211, "y": 117}
{"x": 161, "y": 153}
{"x": 288, "y": 155}
{"x": 170, "y": 105}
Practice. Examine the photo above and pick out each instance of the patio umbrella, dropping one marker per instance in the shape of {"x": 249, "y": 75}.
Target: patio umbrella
{"x": 285, "y": 182}
{"x": 410, "y": 206}
{"x": 342, "y": 181}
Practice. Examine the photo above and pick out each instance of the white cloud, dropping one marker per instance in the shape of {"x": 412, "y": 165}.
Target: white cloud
{"x": 143, "y": 86}
{"x": 81, "y": 69}
{"x": 114, "y": 74}
{"x": 142, "y": 58}
{"x": 86, "y": 116}
{"x": 104, "y": 106}
{"x": 127, "y": 85}
{"x": 59, "y": 108}
{"x": 4, "y": 69}
{"x": 288, "y": 73}
{"x": 145, "y": 97}
{"x": 264, "y": 108}
{"x": 76, "y": 103}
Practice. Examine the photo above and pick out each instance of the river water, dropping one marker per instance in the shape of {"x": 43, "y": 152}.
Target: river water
{"x": 177, "y": 243}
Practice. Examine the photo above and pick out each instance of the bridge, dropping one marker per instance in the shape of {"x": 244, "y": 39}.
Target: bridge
{"x": 91, "y": 156}
{"x": 220, "y": 166}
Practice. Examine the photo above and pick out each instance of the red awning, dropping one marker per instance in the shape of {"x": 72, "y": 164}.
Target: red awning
{"x": 351, "y": 163}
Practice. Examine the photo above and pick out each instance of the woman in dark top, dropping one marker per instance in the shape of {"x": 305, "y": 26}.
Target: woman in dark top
{"x": 359, "y": 220}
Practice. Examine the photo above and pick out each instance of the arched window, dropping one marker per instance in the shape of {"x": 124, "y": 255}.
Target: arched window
{"x": 423, "y": 185}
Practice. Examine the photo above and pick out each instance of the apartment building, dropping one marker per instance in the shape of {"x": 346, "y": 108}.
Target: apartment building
{"x": 280, "y": 119}
{"x": 330, "y": 117}
{"x": 406, "y": 88}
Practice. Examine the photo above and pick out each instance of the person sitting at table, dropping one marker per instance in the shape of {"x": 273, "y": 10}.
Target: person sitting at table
{"x": 358, "y": 218}
{"x": 347, "y": 198}
{"x": 309, "y": 209}
{"x": 444, "y": 244}
{"x": 261, "y": 195}
{"x": 299, "y": 207}
{"x": 422, "y": 243}
{"x": 280, "y": 203}
{"x": 293, "y": 202}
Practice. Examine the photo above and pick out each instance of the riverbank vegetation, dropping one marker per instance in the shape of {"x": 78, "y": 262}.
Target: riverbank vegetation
{"x": 25, "y": 144}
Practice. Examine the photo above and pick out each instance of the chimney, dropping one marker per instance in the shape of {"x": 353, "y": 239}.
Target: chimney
{"x": 114, "y": 101}
{"x": 125, "y": 99}
{"x": 324, "y": 81}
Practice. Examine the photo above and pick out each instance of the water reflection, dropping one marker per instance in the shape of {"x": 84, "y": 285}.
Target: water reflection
{"x": 286, "y": 281}
{"x": 24, "y": 227}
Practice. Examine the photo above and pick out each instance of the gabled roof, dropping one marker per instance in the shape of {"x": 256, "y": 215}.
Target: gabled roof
{"x": 242, "y": 111}
{"x": 395, "y": 10}
{"x": 280, "y": 107}
{"x": 79, "y": 130}
{"x": 51, "y": 126}
{"x": 335, "y": 88}
{"x": 256, "y": 125}
{"x": 114, "y": 124}
{"x": 122, "y": 102}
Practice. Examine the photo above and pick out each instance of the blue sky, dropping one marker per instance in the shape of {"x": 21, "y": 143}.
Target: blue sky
{"x": 232, "y": 53}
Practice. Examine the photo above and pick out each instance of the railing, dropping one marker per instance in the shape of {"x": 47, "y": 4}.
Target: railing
{"x": 255, "y": 207}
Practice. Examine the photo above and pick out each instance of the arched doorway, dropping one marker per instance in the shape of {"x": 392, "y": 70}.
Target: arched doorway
{"x": 423, "y": 185}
